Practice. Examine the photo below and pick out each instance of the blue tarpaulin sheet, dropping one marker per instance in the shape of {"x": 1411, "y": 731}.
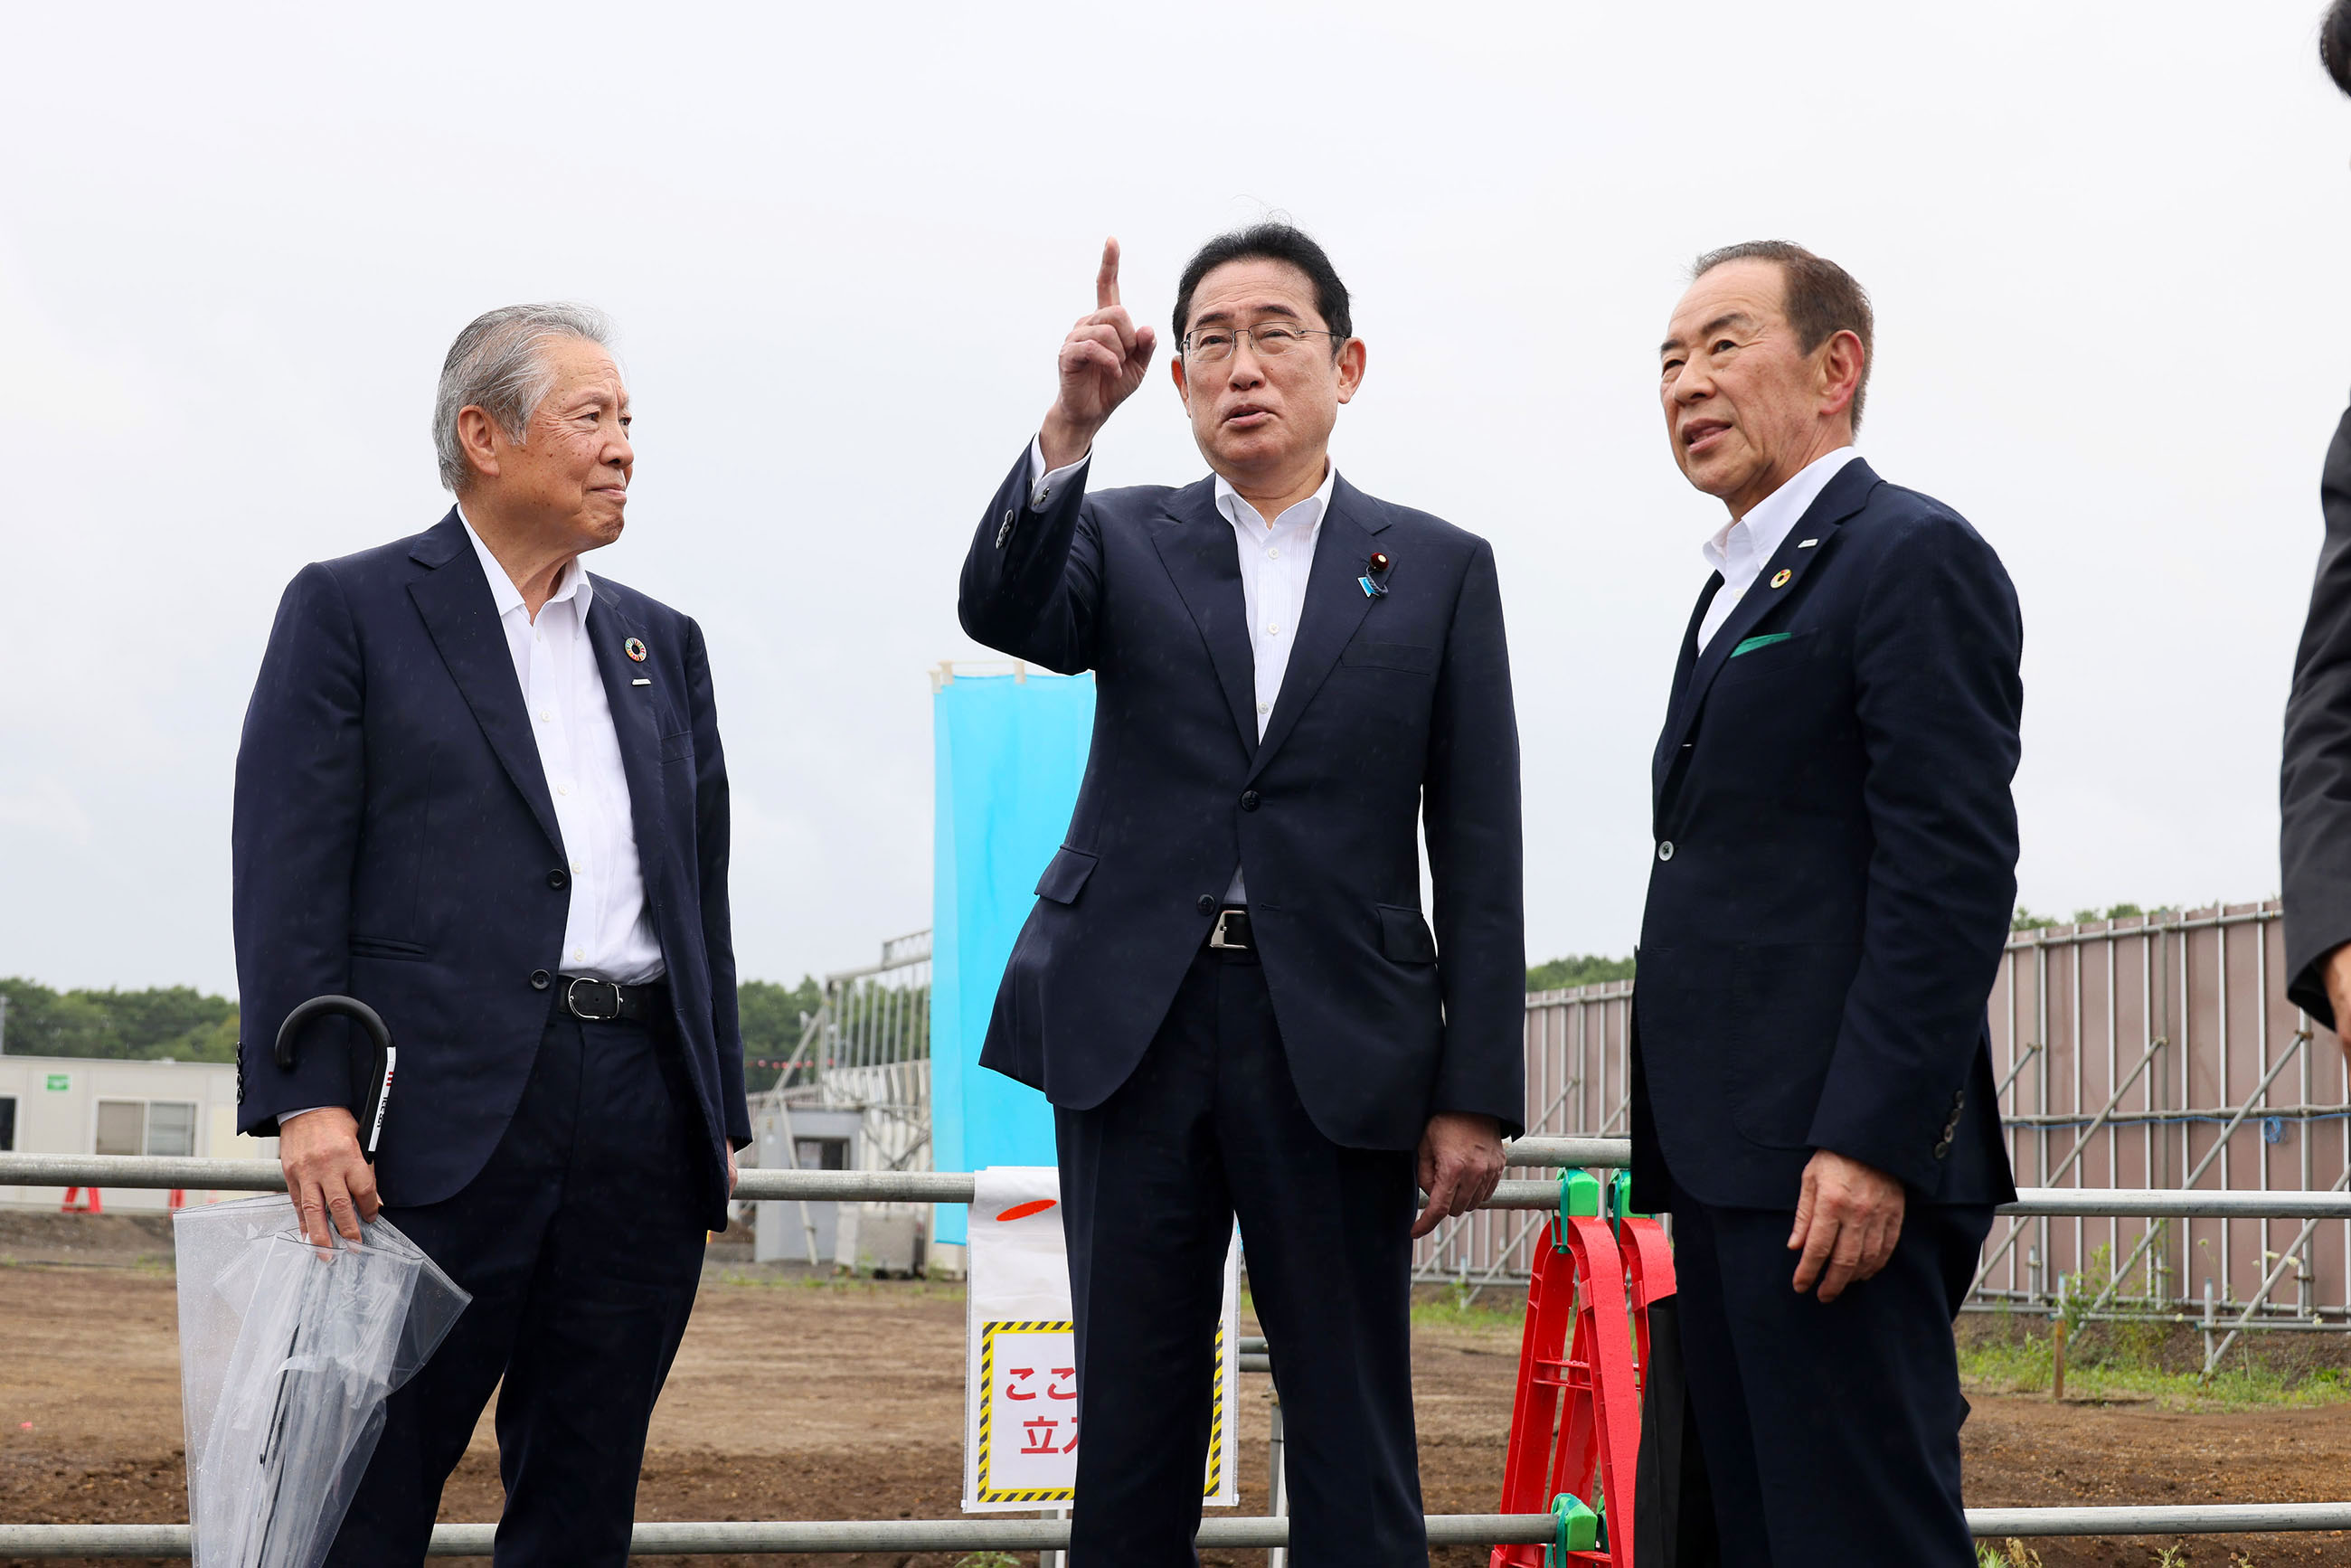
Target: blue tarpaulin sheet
{"x": 1011, "y": 752}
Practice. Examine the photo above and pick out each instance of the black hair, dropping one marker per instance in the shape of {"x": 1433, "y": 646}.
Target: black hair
{"x": 2335, "y": 43}
{"x": 1273, "y": 240}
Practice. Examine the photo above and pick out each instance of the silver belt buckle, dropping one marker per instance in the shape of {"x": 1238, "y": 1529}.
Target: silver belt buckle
{"x": 571, "y": 999}
{"x": 1217, "y": 934}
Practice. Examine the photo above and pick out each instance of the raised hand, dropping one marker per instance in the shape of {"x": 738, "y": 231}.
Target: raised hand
{"x": 1102, "y": 361}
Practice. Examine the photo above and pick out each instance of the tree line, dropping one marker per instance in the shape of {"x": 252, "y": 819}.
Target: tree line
{"x": 181, "y": 1023}
{"x": 178, "y": 1023}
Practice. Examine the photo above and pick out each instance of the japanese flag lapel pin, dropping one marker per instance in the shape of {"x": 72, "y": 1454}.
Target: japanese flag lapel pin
{"x": 1374, "y": 580}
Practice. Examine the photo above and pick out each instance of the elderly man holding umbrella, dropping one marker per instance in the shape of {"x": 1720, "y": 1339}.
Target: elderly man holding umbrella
{"x": 483, "y": 793}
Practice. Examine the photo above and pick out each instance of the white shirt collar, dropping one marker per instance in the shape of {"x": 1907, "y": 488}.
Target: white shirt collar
{"x": 508, "y": 598}
{"x": 1739, "y": 550}
{"x": 1309, "y": 511}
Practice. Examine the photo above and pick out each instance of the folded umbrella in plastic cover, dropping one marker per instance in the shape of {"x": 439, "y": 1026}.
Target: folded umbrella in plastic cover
{"x": 286, "y": 1359}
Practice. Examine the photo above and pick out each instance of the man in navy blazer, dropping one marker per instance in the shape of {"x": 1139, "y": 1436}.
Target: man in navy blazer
{"x": 1228, "y": 987}
{"x": 483, "y": 793}
{"x": 1833, "y": 875}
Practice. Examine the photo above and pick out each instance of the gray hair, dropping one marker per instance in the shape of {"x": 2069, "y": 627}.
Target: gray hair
{"x": 498, "y": 364}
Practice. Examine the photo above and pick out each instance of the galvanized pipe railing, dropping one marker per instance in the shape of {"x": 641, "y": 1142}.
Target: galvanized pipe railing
{"x": 1013, "y": 1534}
{"x": 150, "y": 1541}
{"x": 999, "y": 1534}
{"x": 955, "y": 1186}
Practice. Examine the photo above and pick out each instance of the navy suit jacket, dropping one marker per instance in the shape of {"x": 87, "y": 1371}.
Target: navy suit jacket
{"x": 2315, "y": 777}
{"x": 1835, "y": 864}
{"x": 395, "y": 840}
{"x": 1394, "y": 709}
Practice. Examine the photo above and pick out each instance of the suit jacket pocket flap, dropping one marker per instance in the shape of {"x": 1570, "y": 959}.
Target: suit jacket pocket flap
{"x": 1769, "y": 652}
{"x": 1405, "y": 937}
{"x": 1066, "y": 875}
{"x": 1391, "y": 656}
{"x": 384, "y": 947}
{"x": 677, "y": 747}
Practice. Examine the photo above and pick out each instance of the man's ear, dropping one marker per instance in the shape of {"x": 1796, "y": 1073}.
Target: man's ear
{"x": 477, "y": 438}
{"x": 1182, "y": 387}
{"x": 1843, "y": 360}
{"x": 1351, "y": 369}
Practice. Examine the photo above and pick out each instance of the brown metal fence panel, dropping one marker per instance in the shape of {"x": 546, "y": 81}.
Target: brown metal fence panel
{"x": 2154, "y": 1051}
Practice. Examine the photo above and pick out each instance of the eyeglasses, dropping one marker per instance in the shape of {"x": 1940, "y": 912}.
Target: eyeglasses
{"x": 1271, "y": 339}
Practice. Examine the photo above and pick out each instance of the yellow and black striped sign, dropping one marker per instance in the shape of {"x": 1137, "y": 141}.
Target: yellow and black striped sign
{"x": 989, "y": 1493}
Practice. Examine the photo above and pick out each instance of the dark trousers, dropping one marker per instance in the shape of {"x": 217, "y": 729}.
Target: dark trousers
{"x": 1210, "y": 1127}
{"x": 581, "y": 1241}
{"x": 1806, "y": 1433}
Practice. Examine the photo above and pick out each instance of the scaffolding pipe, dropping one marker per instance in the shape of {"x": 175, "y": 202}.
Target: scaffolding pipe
{"x": 1015, "y": 1534}
{"x": 1001, "y": 1533}
{"x": 955, "y": 1186}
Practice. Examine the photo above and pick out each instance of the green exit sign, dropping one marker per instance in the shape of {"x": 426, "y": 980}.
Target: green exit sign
{"x": 61, "y": 1081}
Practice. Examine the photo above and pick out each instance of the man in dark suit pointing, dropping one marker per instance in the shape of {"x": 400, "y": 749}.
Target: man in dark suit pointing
{"x": 1228, "y": 987}
{"x": 482, "y": 791}
{"x": 1834, "y": 870}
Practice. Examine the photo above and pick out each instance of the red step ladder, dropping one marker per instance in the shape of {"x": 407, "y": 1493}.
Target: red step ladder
{"x": 95, "y": 1205}
{"x": 1575, "y": 1427}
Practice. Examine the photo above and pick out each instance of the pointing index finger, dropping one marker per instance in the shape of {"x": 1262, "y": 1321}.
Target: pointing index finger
{"x": 1106, "y": 280}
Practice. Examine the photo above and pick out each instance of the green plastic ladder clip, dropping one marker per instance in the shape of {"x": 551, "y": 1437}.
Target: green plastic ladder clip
{"x": 1578, "y": 1529}
{"x": 1579, "y": 1198}
{"x": 1619, "y": 1203}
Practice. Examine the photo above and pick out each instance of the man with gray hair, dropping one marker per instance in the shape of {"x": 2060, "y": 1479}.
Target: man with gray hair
{"x": 481, "y": 792}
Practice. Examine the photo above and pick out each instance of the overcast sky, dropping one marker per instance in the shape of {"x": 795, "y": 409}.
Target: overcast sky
{"x": 2106, "y": 245}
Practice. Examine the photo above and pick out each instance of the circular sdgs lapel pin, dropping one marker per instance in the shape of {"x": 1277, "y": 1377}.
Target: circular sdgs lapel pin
{"x": 636, "y": 650}
{"x": 1779, "y": 580}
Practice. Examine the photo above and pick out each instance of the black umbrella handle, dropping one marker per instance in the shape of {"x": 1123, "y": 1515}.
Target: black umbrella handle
{"x": 379, "y": 1081}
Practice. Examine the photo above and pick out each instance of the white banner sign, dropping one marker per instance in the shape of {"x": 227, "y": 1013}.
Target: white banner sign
{"x": 1020, "y": 1383}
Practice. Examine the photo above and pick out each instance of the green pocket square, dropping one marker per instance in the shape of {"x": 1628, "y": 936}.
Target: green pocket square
{"x": 1765, "y": 640}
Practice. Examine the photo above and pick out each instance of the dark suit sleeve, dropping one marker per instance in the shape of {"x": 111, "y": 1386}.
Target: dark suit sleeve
{"x": 1939, "y": 698}
{"x": 1033, "y": 579}
{"x": 301, "y": 786}
{"x": 2314, "y": 781}
{"x": 1476, "y": 860}
{"x": 711, "y": 847}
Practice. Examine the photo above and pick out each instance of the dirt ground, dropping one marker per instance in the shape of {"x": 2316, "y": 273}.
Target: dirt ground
{"x": 793, "y": 1400}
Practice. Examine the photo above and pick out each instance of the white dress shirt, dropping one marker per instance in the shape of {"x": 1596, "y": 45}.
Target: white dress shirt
{"x": 1276, "y": 559}
{"x": 607, "y": 931}
{"x": 1740, "y": 550}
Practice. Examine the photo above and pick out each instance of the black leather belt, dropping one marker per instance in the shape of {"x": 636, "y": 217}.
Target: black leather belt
{"x": 601, "y": 1001}
{"x": 1231, "y": 930}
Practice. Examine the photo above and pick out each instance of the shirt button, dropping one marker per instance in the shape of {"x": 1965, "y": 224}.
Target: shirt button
{"x": 547, "y": 716}
{"x": 575, "y": 868}
{"x": 1208, "y": 904}
{"x": 563, "y": 788}
{"x": 1666, "y": 850}
{"x": 579, "y": 955}
{"x": 1272, "y": 628}
{"x": 1273, "y": 552}
{"x": 1265, "y": 707}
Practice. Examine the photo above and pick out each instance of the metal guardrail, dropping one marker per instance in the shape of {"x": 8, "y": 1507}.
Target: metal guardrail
{"x": 150, "y": 1541}
{"x": 981, "y": 1534}
{"x": 955, "y": 1186}
{"x": 1011, "y": 1535}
